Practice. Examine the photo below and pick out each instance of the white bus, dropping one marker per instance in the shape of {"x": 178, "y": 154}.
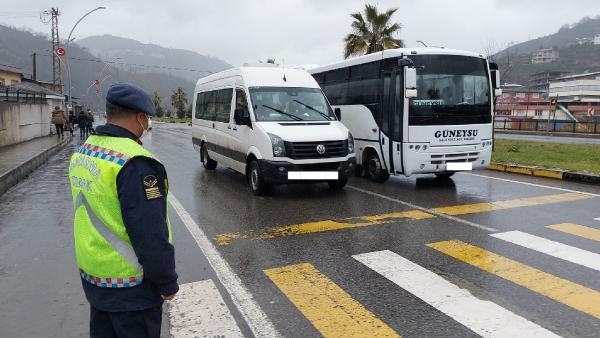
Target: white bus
{"x": 415, "y": 111}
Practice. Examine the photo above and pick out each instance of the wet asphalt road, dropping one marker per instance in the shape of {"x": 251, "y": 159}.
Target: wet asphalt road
{"x": 277, "y": 244}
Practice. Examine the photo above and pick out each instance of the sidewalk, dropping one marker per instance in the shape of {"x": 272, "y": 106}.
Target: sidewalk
{"x": 19, "y": 160}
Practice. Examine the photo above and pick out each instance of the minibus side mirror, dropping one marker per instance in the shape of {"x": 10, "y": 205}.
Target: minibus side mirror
{"x": 241, "y": 116}
{"x": 338, "y": 113}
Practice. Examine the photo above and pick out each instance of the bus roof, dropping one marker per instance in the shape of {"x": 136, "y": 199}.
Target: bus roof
{"x": 264, "y": 77}
{"x": 391, "y": 53}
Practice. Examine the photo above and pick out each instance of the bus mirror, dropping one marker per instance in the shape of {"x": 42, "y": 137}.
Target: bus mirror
{"x": 497, "y": 92}
{"x": 338, "y": 113}
{"x": 495, "y": 74}
{"x": 410, "y": 79}
{"x": 410, "y": 93}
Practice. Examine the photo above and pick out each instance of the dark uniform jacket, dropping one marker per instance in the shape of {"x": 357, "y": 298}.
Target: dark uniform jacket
{"x": 145, "y": 221}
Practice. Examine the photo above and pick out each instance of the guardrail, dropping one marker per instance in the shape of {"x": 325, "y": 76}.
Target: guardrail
{"x": 8, "y": 94}
{"x": 589, "y": 127}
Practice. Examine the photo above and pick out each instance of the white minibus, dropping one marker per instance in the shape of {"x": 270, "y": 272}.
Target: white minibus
{"x": 272, "y": 124}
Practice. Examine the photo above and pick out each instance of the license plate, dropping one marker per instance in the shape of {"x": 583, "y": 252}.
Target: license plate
{"x": 312, "y": 175}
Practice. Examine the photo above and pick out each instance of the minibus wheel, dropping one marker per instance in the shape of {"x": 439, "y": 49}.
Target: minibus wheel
{"x": 256, "y": 179}
{"x": 207, "y": 162}
{"x": 374, "y": 169}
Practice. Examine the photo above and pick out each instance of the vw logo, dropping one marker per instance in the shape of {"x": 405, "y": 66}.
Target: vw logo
{"x": 321, "y": 149}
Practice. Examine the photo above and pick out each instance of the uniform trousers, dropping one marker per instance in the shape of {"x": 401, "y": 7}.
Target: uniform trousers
{"x": 127, "y": 324}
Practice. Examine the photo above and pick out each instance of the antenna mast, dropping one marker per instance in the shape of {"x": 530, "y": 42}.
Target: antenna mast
{"x": 57, "y": 75}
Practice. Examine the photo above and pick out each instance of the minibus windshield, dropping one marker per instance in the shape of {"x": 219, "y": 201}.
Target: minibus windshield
{"x": 290, "y": 104}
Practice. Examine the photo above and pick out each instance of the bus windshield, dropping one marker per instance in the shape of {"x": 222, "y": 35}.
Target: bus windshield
{"x": 290, "y": 104}
{"x": 451, "y": 89}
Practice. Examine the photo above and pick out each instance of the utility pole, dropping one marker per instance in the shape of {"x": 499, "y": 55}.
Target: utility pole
{"x": 57, "y": 75}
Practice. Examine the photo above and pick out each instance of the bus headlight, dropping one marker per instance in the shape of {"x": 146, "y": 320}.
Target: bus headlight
{"x": 350, "y": 143}
{"x": 278, "y": 145}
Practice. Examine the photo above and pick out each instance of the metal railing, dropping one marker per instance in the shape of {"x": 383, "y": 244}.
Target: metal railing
{"x": 567, "y": 126}
{"x": 9, "y": 94}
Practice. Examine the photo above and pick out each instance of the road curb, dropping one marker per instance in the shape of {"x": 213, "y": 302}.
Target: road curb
{"x": 546, "y": 173}
{"x": 19, "y": 173}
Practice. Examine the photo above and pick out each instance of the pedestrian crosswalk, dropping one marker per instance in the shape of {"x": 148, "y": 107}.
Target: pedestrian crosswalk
{"x": 327, "y": 306}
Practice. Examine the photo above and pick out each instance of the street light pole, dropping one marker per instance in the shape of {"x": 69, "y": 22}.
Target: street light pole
{"x": 67, "y": 48}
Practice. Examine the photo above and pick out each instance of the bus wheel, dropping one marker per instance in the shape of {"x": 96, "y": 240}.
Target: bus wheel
{"x": 444, "y": 176}
{"x": 207, "y": 162}
{"x": 375, "y": 170}
{"x": 257, "y": 181}
{"x": 337, "y": 184}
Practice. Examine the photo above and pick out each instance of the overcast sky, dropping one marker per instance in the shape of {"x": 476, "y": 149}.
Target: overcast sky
{"x": 299, "y": 31}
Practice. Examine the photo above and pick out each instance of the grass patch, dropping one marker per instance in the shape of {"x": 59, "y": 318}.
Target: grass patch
{"x": 573, "y": 157}
{"x": 172, "y": 120}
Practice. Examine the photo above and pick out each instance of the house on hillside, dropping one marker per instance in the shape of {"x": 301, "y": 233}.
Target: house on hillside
{"x": 544, "y": 55}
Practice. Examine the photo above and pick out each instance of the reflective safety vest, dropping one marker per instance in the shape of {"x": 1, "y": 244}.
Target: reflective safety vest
{"x": 103, "y": 249}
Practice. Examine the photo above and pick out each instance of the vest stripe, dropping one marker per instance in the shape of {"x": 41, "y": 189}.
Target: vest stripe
{"x": 117, "y": 243}
{"x": 103, "y": 153}
{"x": 111, "y": 282}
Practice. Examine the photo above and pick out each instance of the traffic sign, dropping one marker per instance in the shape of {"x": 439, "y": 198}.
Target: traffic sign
{"x": 60, "y": 51}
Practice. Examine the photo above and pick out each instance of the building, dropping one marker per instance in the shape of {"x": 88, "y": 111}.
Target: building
{"x": 544, "y": 55}
{"x": 576, "y": 88}
{"x": 597, "y": 39}
{"x": 9, "y": 75}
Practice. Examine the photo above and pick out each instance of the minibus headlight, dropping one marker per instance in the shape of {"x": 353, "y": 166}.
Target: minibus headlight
{"x": 278, "y": 145}
{"x": 350, "y": 143}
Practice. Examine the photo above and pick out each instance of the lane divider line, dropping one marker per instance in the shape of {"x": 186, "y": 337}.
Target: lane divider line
{"x": 199, "y": 311}
{"x": 254, "y": 316}
{"x": 552, "y": 248}
{"x": 574, "y": 295}
{"x": 485, "y": 318}
{"x": 332, "y": 311}
{"x": 577, "y": 230}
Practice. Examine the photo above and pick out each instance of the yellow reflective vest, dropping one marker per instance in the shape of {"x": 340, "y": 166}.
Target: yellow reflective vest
{"x": 103, "y": 249}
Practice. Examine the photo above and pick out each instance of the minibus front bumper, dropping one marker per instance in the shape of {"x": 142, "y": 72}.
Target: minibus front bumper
{"x": 277, "y": 171}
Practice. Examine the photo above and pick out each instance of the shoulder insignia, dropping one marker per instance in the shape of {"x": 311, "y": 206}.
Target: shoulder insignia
{"x": 150, "y": 188}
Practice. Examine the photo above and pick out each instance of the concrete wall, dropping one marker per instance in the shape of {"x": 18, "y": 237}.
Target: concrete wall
{"x": 22, "y": 121}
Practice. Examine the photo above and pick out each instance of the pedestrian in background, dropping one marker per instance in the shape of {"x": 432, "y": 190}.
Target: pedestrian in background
{"x": 82, "y": 123}
{"x": 89, "y": 117}
{"x": 72, "y": 121}
{"x": 58, "y": 119}
{"x": 123, "y": 239}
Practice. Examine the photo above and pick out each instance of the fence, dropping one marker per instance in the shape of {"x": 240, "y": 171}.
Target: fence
{"x": 9, "y": 94}
{"x": 590, "y": 127}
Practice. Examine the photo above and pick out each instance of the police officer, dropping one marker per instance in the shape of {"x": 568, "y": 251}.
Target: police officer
{"x": 123, "y": 241}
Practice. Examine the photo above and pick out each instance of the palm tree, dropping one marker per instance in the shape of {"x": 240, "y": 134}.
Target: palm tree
{"x": 179, "y": 100}
{"x": 372, "y": 32}
{"x": 157, "y": 100}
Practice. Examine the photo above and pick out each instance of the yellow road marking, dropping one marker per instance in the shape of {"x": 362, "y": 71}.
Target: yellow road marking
{"x": 332, "y": 311}
{"x": 561, "y": 290}
{"x": 500, "y": 205}
{"x": 326, "y": 225}
{"x": 362, "y": 221}
{"x": 577, "y": 230}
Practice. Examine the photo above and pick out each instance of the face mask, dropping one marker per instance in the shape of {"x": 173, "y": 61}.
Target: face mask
{"x": 144, "y": 130}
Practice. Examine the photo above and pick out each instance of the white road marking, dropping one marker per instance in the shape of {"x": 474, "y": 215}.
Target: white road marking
{"x": 552, "y": 248}
{"x": 430, "y": 211}
{"x": 257, "y": 320}
{"x": 198, "y": 310}
{"x": 532, "y": 184}
{"x": 482, "y": 317}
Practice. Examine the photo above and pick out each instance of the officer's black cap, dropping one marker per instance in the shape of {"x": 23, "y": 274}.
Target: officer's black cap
{"x": 130, "y": 96}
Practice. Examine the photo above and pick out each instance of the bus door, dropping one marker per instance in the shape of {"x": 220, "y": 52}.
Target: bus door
{"x": 392, "y": 120}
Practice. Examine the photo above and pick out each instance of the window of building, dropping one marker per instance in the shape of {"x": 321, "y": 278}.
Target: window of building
{"x": 520, "y": 95}
{"x": 1, "y": 82}
{"x": 538, "y": 112}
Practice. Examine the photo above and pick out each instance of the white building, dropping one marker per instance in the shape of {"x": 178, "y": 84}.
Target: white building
{"x": 576, "y": 88}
